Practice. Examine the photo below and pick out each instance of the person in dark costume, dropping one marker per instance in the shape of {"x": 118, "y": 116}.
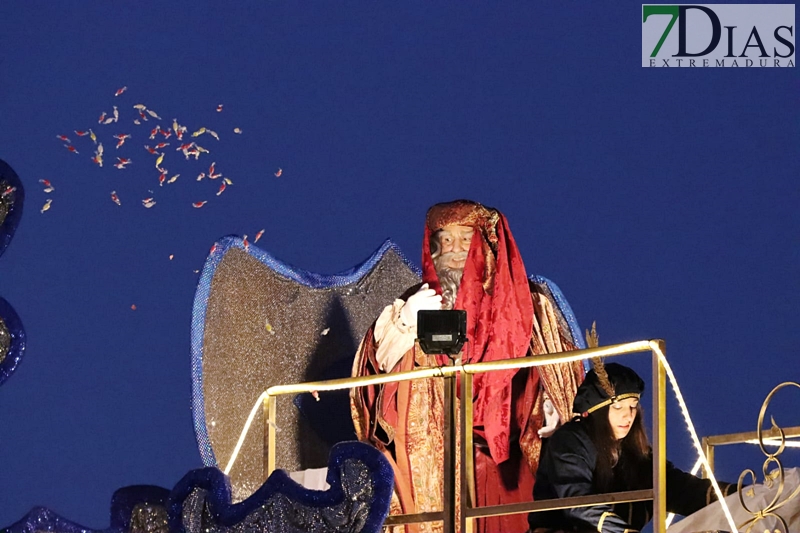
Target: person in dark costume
{"x": 605, "y": 449}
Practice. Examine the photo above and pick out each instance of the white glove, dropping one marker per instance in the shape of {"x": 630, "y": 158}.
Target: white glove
{"x": 551, "y": 419}
{"x": 424, "y": 299}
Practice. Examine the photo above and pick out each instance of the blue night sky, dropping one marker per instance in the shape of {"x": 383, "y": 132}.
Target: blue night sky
{"x": 663, "y": 202}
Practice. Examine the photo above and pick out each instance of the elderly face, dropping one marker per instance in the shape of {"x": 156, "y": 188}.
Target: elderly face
{"x": 621, "y": 415}
{"x": 454, "y": 244}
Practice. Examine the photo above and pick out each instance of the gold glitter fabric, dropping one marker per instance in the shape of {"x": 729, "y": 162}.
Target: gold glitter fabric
{"x": 149, "y": 518}
{"x": 263, "y": 329}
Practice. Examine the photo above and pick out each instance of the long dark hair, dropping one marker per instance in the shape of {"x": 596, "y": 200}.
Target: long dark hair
{"x": 629, "y": 454}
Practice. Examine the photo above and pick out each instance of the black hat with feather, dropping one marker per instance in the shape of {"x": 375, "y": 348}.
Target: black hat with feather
{"x": 605, "y": 384}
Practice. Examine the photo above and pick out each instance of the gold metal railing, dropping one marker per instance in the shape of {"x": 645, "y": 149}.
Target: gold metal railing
{"x": 772, "y": 469}
{"x": 771, "y": 436}
{"x": 449, "y": 373}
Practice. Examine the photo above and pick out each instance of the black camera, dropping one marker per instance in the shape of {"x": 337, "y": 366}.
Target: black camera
{"x": 442, "y": 332}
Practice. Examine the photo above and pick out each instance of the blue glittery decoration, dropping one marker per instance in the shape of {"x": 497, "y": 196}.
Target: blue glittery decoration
{"x": 563, "y": 306}
{"x": 225, "y": 514}
{"x": 122, "y": 505}
{"x": 222, "y": 513}
{"x": 17, "y": 347}
{"x": 303, "y": 277}
{"x": 9, "y": 224}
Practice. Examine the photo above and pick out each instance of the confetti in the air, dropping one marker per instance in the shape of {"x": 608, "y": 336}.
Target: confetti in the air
{"x": 160, "y": 132}
{"x": 48, "y": 187}
{"x": 278, "y": 173}
{"x": 326, "y": 331}
{"x": 121, "y": 139}
{"x": 133, "y": 307}
{"x": 98, "y": 155}
{"x": 245, "y": 244}
{"x": 258, "y": 236}
{"x": 46, "y": 205}
{"x": 171, "y": 256}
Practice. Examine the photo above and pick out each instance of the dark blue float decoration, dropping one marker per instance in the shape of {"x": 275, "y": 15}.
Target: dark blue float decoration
{"x": 361, "y": 484}
{"x": 12, "y": 196}
{"x": 12, "y": 334}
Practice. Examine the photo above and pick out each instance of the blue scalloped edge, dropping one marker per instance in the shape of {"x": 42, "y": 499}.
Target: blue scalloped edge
{"x": 222, "y": 510}
{"x": 18, "y": 340}
{"x": 303, "y": 277}
{"x": 227, "y": 514}
{"x": 123, "y": 502}
{"x": 12, "y": 219}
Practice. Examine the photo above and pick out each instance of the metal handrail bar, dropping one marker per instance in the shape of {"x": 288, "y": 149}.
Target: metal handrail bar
{"x": 712, "y": 441}
{"x": 561, "y": 503}
{"x": 543, "y": 505}
{"x": 471, "y": 368}
{"x": 747, "y": 436}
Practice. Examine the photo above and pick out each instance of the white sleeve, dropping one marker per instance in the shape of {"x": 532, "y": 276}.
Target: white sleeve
{"x": 392, "y": 338}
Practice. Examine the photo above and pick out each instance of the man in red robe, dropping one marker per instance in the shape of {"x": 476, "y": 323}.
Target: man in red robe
{"x": 471, "y": 262}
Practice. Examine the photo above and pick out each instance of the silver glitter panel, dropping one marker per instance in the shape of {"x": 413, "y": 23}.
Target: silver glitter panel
{"x": 5, "y": 340}
{"x": 281, "y": 513}
{"x": 262, "y": 329}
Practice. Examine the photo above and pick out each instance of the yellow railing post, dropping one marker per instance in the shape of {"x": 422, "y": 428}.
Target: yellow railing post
{"x": 270, "y": 411}
{"x": 659, "y": 442}
{"x": 450, "y": 436}
{"x": 467, "y": 454}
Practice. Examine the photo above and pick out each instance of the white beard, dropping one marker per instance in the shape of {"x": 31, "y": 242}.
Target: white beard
{"x": 449, "y": 278}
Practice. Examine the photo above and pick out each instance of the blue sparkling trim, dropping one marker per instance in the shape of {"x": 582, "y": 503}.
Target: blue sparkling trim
{"x": 17, "y": 348}
{"x": 566, "y": 310}
{"x": 226, "y": 514}
{"x": 11, "y": 221}
{"x": 222, "y": 511}
{"x": 122, "y": 505}
{"x": 304, "y": 277}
